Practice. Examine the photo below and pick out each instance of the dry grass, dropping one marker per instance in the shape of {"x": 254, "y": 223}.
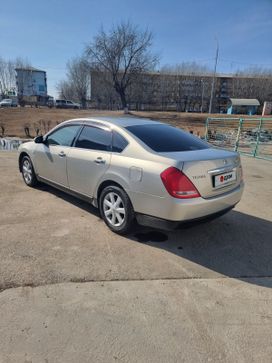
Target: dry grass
{"x": 16, "y": 119}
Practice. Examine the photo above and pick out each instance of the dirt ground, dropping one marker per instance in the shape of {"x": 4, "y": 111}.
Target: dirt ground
{"x": 15, "y": 120}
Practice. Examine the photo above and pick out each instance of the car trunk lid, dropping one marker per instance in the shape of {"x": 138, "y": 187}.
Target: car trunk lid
{"x": 212, "y": 171}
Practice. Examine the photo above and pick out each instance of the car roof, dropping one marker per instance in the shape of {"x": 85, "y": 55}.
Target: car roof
{"x": 121, "y": 121}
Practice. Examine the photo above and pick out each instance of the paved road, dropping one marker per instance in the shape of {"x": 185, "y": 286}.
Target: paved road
{"x": 72, "y": 291}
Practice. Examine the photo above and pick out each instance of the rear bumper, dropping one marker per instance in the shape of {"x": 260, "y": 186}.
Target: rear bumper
{"x": 167, "y": 225}
{"x": 182, "y": 210}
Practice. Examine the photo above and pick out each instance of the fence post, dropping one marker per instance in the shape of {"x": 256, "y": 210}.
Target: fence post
{"x": 258, "y": 137}
{"x": 241, "y": 120}
{"x": 206, "y": 129}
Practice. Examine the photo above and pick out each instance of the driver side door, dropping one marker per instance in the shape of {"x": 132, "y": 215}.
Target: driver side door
{"x": 51, "y": 156}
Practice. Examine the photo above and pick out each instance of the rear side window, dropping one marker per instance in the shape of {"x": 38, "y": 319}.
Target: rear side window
{"x": 64, "y": 136}
{"x": 119, "y": 143}
{"x": 94, "y": 138}
{"x": 165, "y": 138}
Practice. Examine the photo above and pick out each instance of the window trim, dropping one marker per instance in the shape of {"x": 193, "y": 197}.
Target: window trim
{"x": 62, "y": 127}
{"x": 83, "y": 124}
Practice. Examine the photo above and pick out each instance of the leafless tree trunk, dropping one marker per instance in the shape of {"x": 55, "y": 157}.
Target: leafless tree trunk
{"x": 3, "y": 128}
{"x": 27, "y": 129}
{"x": 37, "y": 128}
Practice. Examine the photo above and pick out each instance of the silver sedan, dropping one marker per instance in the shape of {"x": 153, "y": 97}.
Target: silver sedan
{"x": 135, "y": 170}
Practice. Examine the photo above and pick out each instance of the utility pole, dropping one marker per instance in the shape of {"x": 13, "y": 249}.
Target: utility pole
{"x": 202, "y": 94}
{"x": 214, "y": 74}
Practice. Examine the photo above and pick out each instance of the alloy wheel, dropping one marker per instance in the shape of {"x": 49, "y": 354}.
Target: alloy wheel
{"x": 114, "y": 210}
{"x": 27, "y": 171}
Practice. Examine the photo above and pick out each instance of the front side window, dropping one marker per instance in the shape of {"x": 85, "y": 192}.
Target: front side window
{"x": 94, "y": 138}
{"x": 64, "y": 136}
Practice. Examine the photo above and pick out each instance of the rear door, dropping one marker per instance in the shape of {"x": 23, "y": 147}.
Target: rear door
{"x": 51, "y": 157}
{"x": 89, "y": 159}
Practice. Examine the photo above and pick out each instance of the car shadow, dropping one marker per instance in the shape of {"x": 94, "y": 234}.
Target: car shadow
{"x": 236, "y": 245}
{"x": 68, "y": 198}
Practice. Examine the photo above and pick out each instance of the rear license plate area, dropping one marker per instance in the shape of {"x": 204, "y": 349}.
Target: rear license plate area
{"x": 224, "y": 179}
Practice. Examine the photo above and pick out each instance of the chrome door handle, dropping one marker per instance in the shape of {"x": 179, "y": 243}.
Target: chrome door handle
{"x": 62, "y": 154}
{"x": 99, "y": 160}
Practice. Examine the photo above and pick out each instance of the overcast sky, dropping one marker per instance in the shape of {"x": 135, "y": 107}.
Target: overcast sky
{"x": 50, "y": 32}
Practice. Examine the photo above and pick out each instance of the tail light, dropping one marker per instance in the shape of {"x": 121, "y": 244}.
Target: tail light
{"x": 178, "y": 185}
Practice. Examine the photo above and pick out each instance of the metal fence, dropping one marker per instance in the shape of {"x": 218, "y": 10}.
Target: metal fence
{"x": 10, "y": 144}
{"x": 249, "y": 136}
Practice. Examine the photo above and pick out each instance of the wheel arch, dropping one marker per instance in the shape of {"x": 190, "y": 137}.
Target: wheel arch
{"x": 105, "y": 184}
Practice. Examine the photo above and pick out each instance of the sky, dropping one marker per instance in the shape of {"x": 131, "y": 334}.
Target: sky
{"x": 48, "y": 33}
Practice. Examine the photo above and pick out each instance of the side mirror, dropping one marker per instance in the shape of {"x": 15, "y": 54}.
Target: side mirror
{"x": 39, "y": 139}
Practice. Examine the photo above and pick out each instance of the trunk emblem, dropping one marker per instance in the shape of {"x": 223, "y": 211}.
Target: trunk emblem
{"x": 199, "y": 176}
{"x": 225, "y": 161}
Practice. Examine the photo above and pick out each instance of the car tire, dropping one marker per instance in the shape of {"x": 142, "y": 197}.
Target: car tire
{"x": 28, "y": 172}
{"x": 116, "y": 209}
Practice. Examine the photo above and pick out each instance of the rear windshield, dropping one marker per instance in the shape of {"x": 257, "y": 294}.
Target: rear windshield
{"x": 165, "y": 138}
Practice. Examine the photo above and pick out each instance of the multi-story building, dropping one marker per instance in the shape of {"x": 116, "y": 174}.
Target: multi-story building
{"x": 180, "y": 92}
{"x": 31, "y": 85}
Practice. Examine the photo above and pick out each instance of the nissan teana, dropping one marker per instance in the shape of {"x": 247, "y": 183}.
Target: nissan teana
{"x": 135, "y": 170}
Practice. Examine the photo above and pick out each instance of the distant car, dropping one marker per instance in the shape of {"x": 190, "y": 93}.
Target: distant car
{"x": 67, "y": 104}
{"x": 7, "y": 102}
{"x": 50, "y": 102}
{"x": 134, "y": 168}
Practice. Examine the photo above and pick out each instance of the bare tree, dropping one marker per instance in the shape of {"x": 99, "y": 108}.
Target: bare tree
{"x": 27, "y": 129}
{"x": 7, "y": 76}
{"x": 187, "y": 68}
{"x": 255, "y": 71}
{"x": 37, "y": 128}
{"x": 79, "y": 75}
{"x": 77, "y": 85}
{"x": 3, "y": 128}
{"x": 124, "y": 53}
{"x": 66, "y": 90}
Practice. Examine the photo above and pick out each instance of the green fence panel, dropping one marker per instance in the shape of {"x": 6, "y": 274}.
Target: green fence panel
{"x": 247, "y": 135}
